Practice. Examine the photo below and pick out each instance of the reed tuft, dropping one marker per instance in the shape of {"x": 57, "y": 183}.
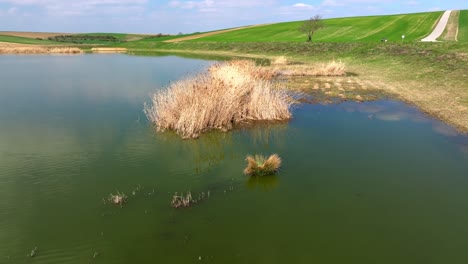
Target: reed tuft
{"x": 259, "y": 165}
{"x": 228, "y": 94}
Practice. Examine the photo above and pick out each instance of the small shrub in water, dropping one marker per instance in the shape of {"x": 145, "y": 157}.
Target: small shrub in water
{"x": 259, "y": 165}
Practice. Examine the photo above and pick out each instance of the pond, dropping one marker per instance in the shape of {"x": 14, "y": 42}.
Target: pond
{"x": 374, "y": 182}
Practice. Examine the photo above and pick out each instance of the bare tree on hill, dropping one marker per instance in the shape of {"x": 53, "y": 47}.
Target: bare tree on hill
{"x": 310, "y": 26}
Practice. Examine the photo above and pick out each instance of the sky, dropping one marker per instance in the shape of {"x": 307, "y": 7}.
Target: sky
{"x": 180, "y": 16}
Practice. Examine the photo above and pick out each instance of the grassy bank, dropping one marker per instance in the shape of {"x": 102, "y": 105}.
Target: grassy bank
{"x": 432, "y": 76}
{"x": 463, "y": 26}
{"x": 24, "y": 40}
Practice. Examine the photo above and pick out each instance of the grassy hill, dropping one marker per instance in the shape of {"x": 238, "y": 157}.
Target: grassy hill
{"x": 24, "y": 40}
{"x": 351, "y": 29}
{"x": 463, "y": 26}
{"x": 57, "y": 38}
{"x": 362, "y": 29}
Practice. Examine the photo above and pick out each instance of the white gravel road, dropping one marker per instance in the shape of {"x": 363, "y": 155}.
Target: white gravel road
{"x": 439, "y": 29}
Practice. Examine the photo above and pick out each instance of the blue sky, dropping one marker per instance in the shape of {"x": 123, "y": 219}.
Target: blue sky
{"x": 173, "y": 16}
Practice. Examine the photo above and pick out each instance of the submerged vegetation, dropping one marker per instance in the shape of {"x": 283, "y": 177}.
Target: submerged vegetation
{"x": 259, "y": 165}
{"x": 181, "y": 201}
{"x": 229, "y": 94}
{"x": 119, "y": 198}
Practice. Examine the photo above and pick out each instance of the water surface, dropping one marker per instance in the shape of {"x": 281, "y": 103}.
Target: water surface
{"x": 375, "y": 182}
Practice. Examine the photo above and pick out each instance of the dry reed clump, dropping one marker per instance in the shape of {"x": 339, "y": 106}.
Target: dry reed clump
{"x": 228, "y": 94}
{"x": 280, "y": 60}
{"x": 259, "y": 165}
{"x": 243, "y": 67}
{"x": 39, "y": 50}
{"x": 68, "y": 50}
{"x": 332, "y": 68}
{"x": 109, "y": 50}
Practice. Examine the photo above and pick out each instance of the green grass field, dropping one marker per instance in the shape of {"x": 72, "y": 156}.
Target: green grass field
{"x": 463, "y": 26}
{"x": 21, "y": 40}
{"x": 362, "y": 29}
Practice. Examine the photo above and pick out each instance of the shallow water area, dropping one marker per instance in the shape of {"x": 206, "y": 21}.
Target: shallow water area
{"x": 373, "y": 182}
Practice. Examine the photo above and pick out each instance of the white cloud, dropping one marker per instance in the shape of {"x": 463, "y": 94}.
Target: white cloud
{"x": 219, "y": 4}
{"x": 191, "y": 4}
{"x": 85, "y": 2}
{"x": 172, "y": 16}
{"x": 83, "y": 7}
{"x": 12, "y": 11}
{"x": 332, "y": 3}
{"x": 303, "y": 6}
{"x": 297, "y": 11}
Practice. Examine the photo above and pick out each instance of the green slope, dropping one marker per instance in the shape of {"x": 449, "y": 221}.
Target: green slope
{"x": 365, "y": 29}
{"x": 463, "y": 26}
{"x": 85, "y": 38}
{"x": 21, "y": 40}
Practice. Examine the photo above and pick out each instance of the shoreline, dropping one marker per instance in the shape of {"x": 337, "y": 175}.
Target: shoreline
{"x": 448, "y": 109}
{"x": 437, "y": 103}
{"x": 30, "y": 49}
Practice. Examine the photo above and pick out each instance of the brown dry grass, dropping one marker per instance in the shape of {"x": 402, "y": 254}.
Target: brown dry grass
{"x": 228, "y": 94}
{"x": 109, "y": 50}
{"x": 280, "y": 60}
{"x": 68, "y": 50}
{"x": 332, "y": 68}
{"x": 22, "y": 49}
{"x": 259, "y": 165}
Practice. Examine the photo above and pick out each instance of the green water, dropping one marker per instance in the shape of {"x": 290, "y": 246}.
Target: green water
{"x": 375, "y": 182}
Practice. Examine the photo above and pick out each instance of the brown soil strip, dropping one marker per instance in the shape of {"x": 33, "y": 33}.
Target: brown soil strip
{"x": 42, "y": 35}
{"x": 212, "y": 33}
